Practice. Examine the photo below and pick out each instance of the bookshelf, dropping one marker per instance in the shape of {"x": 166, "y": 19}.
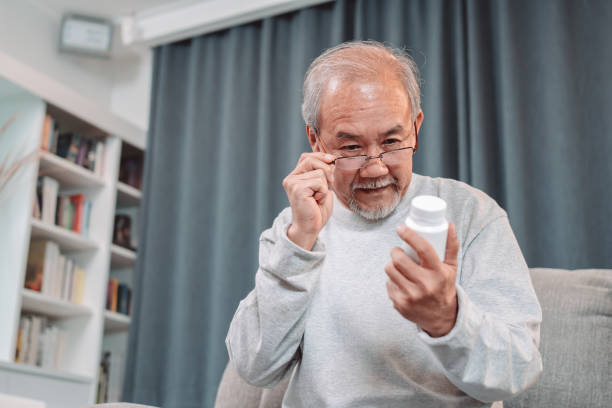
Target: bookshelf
{"x": 67, "y": 240}
{"x": 122, "y": 264}
{"x": 116, "y": 322}
{"x": 35, "y": 302}
{"x": 85, "y": 327}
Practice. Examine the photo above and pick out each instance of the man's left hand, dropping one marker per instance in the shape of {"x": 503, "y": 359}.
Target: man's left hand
{"x": 425, "y": 294}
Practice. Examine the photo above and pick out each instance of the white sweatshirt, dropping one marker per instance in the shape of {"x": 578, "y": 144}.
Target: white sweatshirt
{"x": 325, "y": 316}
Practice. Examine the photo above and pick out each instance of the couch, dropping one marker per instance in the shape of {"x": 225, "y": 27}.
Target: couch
{"x": 575, "y": 342}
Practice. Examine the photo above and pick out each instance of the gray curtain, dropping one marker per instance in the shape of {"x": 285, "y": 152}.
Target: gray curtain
{"x": 516, "y": 96}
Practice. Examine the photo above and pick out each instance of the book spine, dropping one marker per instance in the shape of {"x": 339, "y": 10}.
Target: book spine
{"x": 99, "y": 164}
{"x": 78, "y": 202}
{"x": 46, "y": 132}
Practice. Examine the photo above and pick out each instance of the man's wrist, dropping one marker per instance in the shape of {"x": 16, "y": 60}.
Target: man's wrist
{"x": 303, "y": 240}
{"x": 443, "y": 327}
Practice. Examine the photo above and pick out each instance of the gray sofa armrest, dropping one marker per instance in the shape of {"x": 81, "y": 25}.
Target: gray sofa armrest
{"x": 576, "y": 340}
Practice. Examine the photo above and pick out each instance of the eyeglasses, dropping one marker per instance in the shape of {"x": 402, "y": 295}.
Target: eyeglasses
{"x": 388, "y": 158}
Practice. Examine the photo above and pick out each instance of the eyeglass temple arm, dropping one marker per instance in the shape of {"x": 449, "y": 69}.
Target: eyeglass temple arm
{"x": 416, "y": 139}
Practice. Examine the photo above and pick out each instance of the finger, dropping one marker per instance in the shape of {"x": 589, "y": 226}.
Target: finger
{"x": 306, "y": 187}
{"x": 307, "y": 167}
{"x": 394, "y": 292}
{"x": 398, "y": 278}
{"x": 399, "y": 299}
{"x": 314, "y": 174}
{"x": 313, "y": 161}
{"x": 405, "y": 264}
{"x": 324, "y": 157}
{"x": 452, "y": 246}
{"x": 424, "y": 250}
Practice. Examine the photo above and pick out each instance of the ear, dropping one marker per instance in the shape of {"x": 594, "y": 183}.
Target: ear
{"x": 417, "y": 124}
{"x": 419, "y": 120}
{"x": 312, "y": 139}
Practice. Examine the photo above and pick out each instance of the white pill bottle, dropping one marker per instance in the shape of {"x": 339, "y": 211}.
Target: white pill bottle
{"x": 427, "y": 217}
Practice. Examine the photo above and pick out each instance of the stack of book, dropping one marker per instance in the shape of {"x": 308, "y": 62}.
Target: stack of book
{"x": 86, "y": 152}
{"x": 119, "y": 297}
{"x": 52, "y": 273}
{"x": 39, "y": 342}
{"x": 122, "y": 231}
{"x": 71, "y": 211}
{"x": 130, "y": 171}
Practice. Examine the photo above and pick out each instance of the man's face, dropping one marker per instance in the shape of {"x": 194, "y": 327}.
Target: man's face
{"x": 367, "y": 117}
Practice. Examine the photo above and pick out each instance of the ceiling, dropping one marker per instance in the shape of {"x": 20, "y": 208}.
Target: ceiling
{"x": 111, "y": 9}
{"x": 149, "y": 23}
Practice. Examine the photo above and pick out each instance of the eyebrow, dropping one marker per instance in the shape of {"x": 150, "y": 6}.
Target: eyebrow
{"x": 395, "y": 129}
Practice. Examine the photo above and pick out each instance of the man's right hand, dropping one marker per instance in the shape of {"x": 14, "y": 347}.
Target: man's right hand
{"x": 308, "y": 188}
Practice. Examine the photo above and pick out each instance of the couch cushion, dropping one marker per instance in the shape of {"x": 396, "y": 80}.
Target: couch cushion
{"x": 576, "y": 340}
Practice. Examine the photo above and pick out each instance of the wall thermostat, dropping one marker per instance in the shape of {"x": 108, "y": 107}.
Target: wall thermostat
{"x": 86, "y": 35}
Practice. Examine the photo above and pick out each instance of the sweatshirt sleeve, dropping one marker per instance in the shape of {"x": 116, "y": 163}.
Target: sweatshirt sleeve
{"x": 492, "y": 351}
{"x": 265, "y": 334}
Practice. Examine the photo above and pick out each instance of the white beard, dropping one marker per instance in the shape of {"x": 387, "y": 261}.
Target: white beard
{"x": 380, "y": 211}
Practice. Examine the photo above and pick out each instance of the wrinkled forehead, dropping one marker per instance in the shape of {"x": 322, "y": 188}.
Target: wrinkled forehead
{"x": 344, "y": 98}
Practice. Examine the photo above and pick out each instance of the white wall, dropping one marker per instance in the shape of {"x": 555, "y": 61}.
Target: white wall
{"x": 29, "y": 33}
{"x": 131, "y": 87}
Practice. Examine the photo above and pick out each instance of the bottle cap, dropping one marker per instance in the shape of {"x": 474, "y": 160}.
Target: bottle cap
{"x": 428, "y": 209}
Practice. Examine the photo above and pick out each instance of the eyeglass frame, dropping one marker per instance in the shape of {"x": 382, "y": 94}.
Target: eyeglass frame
{"x": 368, "y": 158}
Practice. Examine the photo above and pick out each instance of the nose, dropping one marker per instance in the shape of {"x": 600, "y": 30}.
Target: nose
{"x": 374, "y": 168}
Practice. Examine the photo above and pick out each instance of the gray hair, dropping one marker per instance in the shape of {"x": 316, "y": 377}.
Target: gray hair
{"x": 373, "y": 59}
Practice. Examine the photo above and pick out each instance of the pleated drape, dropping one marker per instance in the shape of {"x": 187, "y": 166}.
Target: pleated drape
{"x": 516, "y": 96}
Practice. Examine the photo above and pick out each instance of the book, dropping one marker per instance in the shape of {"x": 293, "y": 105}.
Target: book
{"x": 67, "y": 278}
{"x": 50, "y": 265}
{"x": 49, "y": 190}
{"x": 78, "y": 285}
{"x": 64, "y": 140}
{"x": 124, "y": 294}
{"x": 35, "y": 266}
{"x": 41, "y": 342}
{"x": 23, "y": 339}
{"x": 86, "y": 217}
{"x": 38, "y": 200}
{"x": 99, "y": 158}
{"x": 103, "y": 378}
{"x": 90, "y": 158}
{"x": 46, "y": 132}
{"x": 39, "y": 267}
{"x": 54, "y": 136}
{"x": 73, "y": 149}
{"x": 77, "y": 202}
{"x": 81, "y": 152}
{"x": 122, "y": 231}
{"x": 113, "y": 289}
{"x": 130, "y": 171}
{"x": 54, "y": 274}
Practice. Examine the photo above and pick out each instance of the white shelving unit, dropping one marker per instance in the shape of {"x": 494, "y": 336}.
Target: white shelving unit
{"x": 35, "y": 302}
{"x": 127, "y": 195}
{"x": 30, "y": 94}
{"x": 70, "y": 175}
{"x": 122, "y": 257}
{"x": 68, "y": 240}
{"x": 116, "y": 322}
{"x": 122, "y": 268}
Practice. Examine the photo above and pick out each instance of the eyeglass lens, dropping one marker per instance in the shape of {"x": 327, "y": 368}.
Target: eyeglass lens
{"x": 388, "y": 158}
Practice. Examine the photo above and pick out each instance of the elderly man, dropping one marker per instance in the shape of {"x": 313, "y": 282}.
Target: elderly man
{"x": 339, "y": 306}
